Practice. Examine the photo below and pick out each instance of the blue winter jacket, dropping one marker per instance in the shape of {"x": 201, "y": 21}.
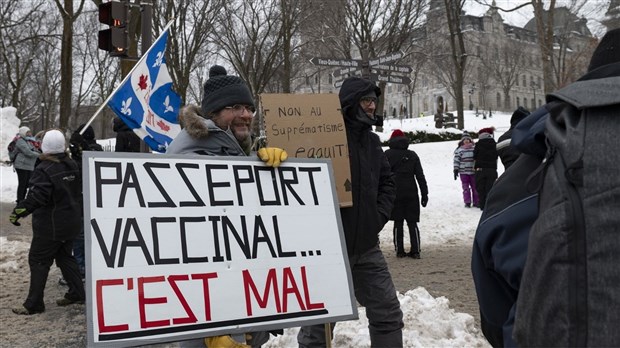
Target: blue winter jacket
{"x": 500, "y": 243}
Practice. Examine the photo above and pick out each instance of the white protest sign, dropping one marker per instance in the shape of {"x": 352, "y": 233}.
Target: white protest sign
{"x": 192, "y": 246}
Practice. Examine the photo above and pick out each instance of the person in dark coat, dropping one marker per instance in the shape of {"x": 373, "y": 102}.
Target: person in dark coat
{"x": 501, "y": 239}
{"x": 501, "y": 242}
{"x": 485, "y": 163}
{"x": 407, "y": 170}
{"x": 373, "y": 193}
{"x": 126, "y": 139}
{"x": 55, "y": 203}
{"x": 79, "y": 143}
{"x": 508, "y": 153}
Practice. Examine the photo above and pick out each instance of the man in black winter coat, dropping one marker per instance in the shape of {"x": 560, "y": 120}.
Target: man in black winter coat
{"x": 55, "y": 203}
{"x": 126, "y": 139}
{"x": 373, "y": 193}
{"x": 407, "y": 169}
{"x": 79, "y": 143}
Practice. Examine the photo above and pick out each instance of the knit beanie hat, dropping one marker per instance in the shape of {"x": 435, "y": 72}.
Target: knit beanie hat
{"x": 607, "y": 51}
{"x": 518, "y": 115}
{"x": 222, "y": 90}
{"x": 53, "y": 142}
{"x": 486, "y": 132}
{"x": 397, "y": 133}
{"x": 23, "y": 131}
{"x": 89, "y": 133}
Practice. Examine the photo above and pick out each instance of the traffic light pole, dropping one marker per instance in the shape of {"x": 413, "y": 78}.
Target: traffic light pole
{"x": 146, "y": 8}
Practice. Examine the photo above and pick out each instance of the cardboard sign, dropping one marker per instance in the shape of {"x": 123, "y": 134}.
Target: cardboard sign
{"x": 182, "y": 246}
{"x": 310, "y": 126}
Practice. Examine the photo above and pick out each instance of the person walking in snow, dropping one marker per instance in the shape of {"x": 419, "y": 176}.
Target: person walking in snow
{"x": 407, "y": 170}
{"x": 464, "y": 168}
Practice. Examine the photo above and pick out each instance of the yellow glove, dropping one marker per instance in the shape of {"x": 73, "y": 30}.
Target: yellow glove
{"x": 223, "y": 342}
{"x": 272, "y": 156}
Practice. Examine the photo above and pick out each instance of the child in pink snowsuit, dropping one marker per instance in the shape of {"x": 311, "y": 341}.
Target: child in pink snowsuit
{"x": 464, "y": 165}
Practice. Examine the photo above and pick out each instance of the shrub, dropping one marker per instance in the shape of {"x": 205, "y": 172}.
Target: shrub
{"x": 424, "y": 137}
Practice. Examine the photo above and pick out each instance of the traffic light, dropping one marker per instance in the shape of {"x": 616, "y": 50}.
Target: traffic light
{"x": 114, "y": 39}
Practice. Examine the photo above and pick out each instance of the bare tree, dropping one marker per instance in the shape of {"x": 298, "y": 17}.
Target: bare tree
{"x": 69, "y": 15}
{"x": 503, "y": 64}
{"x": 188, "y": 44}
{"x": 556, "y": 71}
{"x": 21, "y": 33}
{"x": 383, "y": 27}
{"x": 250, "y": 39}
{"x": 454, "y": 8}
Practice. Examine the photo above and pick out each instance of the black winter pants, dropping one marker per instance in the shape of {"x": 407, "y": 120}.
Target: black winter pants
{"x": 485, "y": 178}
{"x": 23, "y": 178}
{"x": 43, "y": 252}
{"x": 414, "y": 236}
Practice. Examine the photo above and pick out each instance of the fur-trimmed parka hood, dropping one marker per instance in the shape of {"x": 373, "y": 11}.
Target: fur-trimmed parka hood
{"x": 202, "y": 136}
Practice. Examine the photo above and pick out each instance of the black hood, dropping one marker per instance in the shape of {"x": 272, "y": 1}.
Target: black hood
{"x": 352, "y": 90}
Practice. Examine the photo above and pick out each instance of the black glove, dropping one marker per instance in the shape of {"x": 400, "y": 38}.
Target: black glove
{"x": 16, "y": 214}
{"x": 456, "y": 174}
{"x": 424, "y": 200}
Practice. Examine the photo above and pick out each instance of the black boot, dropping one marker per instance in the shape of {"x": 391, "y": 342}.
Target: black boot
{"x": 414, "y": 238}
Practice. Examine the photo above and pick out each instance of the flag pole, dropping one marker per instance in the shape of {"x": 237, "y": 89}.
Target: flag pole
{"x": 105, "y": 102}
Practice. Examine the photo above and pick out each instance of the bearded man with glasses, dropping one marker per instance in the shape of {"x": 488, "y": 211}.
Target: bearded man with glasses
{"x": 222, "y": 126}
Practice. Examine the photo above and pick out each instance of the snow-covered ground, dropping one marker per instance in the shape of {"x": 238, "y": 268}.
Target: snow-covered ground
{"x": 428, "y": 321}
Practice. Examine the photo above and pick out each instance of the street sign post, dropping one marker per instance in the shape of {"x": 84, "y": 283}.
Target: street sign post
{"x": 336, "y": 62}
{"x": 403, "y": 80}
{"x": 387, "y": 58}
{"x": 347, "y": 71}
{"x": 405, "y": 69}
{"x": 383, "y": 71}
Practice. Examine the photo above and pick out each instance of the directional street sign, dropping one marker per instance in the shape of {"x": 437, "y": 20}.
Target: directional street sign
{"x": 387, "y": 58}
{"x": 336, "y": 62}
{"x": 406, "y": 69}
{"x": 383, "y": 70}
{"x": 404, "y": 80}
{"x": 347, "y": 71}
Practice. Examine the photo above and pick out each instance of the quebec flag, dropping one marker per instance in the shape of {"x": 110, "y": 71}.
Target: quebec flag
{"x": 145, "y": 100}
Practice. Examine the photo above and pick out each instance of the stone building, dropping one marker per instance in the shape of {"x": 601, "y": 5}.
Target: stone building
{"x": 504, "y": 67}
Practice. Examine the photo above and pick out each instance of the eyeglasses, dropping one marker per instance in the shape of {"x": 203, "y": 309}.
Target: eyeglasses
{"x": 239, "y": 108}
{"x": 368, "y": 100}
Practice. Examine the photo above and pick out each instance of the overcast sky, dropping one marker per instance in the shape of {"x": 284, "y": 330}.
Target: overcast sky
{"x": 594, "y": 10}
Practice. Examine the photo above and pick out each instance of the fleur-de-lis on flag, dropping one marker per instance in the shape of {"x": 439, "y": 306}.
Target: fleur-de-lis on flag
{"x": 167, "y": 106}
{"x": 125, "y": 107}
{"x": 159, "y": 59}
